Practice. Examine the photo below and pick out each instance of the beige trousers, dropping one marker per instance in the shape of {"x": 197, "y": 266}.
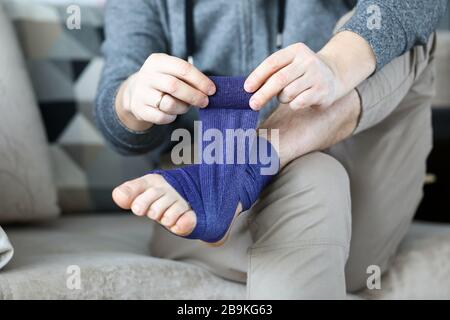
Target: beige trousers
{"x": 330, "y": 215}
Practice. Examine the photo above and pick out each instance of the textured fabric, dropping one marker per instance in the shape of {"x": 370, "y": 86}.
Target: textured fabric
{"x": 214, "y": 187}
{"x": 65, "y": 66}
{"x": 112, "y": 253}
{"x": 296, "y": 241}
{"x": 6, "y": 250}
{"x": 393, "y": 27}
{"x": 233, "y": 38}
{"x": 27, "y": 191}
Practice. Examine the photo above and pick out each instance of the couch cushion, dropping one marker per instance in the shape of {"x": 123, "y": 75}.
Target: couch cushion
{"x": 113, "y": 256}
{"x": 27, "y": 191}
{"x": 65, "y": 67}
{"x": 421, "y": 269}
{"x": 6, "y": 250}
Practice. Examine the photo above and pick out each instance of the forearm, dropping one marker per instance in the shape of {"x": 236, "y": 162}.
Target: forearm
{"x": 132, "y": 31}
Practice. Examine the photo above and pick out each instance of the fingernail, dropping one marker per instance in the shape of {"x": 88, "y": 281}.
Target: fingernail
{"x": 248, "y": 86}
{"x": 204, "y": 102}
{"x": 254, "y": 103}
{"x": 211, "y": 90}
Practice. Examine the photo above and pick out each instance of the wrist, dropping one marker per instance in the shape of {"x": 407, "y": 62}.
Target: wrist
{"x": 350, "y": 58}
{"x": 338, "y": 81}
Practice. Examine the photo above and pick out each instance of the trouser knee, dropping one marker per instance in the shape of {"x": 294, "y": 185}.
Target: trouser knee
{"x": 309, "y": 201}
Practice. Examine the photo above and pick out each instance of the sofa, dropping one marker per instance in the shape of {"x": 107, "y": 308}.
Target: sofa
{"x": 63, "y": 237}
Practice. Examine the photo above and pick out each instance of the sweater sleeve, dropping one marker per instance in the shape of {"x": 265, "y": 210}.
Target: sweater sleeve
{"x": 392, "y": 27}
{"x": 132, "y": 32}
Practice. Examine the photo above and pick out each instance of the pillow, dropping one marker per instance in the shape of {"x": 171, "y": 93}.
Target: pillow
{"x": 27, "y": 191}
{"x": 65, "y": 67}
{"x": 6, "y": 250}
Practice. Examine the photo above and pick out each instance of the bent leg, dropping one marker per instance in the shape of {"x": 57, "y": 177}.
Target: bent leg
{"x": 386, "y": 159}
{"x": 299, "y": 239}
{"x": 301, "y": 232}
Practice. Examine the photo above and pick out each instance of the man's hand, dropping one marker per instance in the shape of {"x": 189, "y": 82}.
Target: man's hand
{"x": 297, "y": 75}
{"x": 302, "y": 78}
{"x": 163, "y": 88}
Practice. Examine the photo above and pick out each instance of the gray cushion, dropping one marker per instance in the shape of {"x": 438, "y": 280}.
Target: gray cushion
{"x": 65, "y": 67}
{"x": 27, "y": 191}
{"x": 113, "y": 256}
{"x": 6, "y": 250}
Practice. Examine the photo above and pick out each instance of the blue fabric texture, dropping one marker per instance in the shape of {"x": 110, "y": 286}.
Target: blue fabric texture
{"x": 214, "y": 190}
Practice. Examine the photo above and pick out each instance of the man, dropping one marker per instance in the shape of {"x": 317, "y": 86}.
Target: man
{"x": 354, "y": 121}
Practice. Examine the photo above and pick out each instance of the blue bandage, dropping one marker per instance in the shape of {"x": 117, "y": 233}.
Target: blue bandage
{"x": 214, "y": 190}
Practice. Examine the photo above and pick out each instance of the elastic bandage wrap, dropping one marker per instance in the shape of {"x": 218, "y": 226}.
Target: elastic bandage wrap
{"x": 233, "y": 160}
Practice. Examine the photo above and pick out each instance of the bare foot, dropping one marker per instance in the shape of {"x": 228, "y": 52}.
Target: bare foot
{"x": 153, "y": 197}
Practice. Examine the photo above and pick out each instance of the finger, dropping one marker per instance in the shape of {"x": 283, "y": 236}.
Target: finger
{"x": 158, "y": 207}
{"x": 149, "y": 96}
{"x": 171, "y": 105}
{"x": 295, "y": 88}
{"x": 275, "y": 84}
{"x": 304, "y": 100}
{"x": 143, "y": 202}
{"x": 183, "y": 70}
{"x": 150, "y": 114}
{"x": 179, "y": 89}
{"x": 268, "y": 67}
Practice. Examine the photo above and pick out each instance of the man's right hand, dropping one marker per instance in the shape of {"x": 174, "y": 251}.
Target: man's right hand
{"x": 163, "y": 88}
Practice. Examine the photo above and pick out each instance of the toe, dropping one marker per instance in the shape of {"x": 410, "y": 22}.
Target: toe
{"x": 185, "y": 224}
{"x": 126, "y": 193}
{"x": 172, "y": 214}
{"x": 158, "y": 208}
{"x": 143, "y": 202}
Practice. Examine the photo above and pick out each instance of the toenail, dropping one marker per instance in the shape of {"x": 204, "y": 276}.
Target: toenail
{"x": 136, "y": 209}
{"x": 164, "y": 220}
{"x": 152, "y": 214}
{"x": 125, "y": 191}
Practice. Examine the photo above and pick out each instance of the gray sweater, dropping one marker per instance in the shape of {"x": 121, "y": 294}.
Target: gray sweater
{"x": 234, "y": 36}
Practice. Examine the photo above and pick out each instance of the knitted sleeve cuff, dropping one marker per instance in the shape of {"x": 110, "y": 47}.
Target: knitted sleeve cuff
{"x": 380, "y": 28}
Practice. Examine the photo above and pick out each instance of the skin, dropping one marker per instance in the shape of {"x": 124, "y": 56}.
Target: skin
{"x": 319, "y": 107}
{"x": 169, "y": 81}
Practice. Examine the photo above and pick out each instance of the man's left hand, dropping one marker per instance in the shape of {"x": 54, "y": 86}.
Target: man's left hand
{"x": 298, "y": 76}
